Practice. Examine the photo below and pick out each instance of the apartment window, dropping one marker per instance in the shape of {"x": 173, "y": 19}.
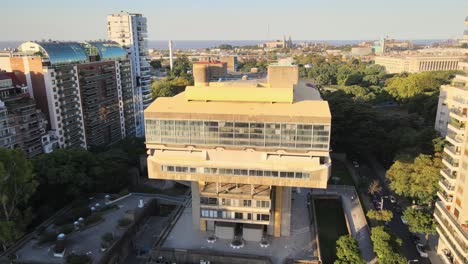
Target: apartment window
{"x": 226, "y": 202}
{"x": 238, "y": 216}
{"x": 263, "y": 204}
{"x": 208, "y": 201}
{"x": 263, "y": 217}
{"x": 247, "y": 203}
{"x": 303, "y": 136}
{"x": 456, "y": 213}
{"x": 249, "y": 216}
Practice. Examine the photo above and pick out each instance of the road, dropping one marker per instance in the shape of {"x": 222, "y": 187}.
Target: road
{"x": 396, "y": 225}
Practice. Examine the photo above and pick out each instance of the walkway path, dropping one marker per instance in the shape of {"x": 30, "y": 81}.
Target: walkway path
{"x": 356, "y": 217}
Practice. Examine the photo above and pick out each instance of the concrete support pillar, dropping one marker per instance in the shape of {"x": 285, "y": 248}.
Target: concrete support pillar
{"x": 277, "y": 213}
{"x": 286, "y": 211}
{"x": 196, "y": 205}
{"x": 203, "y": 225}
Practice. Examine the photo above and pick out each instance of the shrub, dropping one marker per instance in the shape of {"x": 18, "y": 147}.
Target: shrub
{"x": 73, "y": 215}
{"x": 107, "y": 207}
{"x": 107, "y": 237}
{"x": 47, "y": 237}
{"x": 59, "y": 248}
{"x": 67, "y": 229}
{"x": 94, "y": 218}
{"x": 114, "y": 196}
{"x": 123, "y": 222}
{"x": 78, "y": 259}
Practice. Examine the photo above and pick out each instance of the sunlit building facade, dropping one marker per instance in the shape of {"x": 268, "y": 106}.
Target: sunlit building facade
{"x": 451, "y": 211}
{"x": 130, "y": 31}
{"x": 243, "y": 146}
{"x": 85, "y": 89}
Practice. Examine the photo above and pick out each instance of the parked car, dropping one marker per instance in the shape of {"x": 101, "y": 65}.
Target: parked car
{"x": 392, "y": 199}
{"x": 416, "y": 240}
{"x": 397, "y": 208}
{"x": 355, "y": 164}
{"x": 420, "y": 249}
{"x": 403, "y": 220}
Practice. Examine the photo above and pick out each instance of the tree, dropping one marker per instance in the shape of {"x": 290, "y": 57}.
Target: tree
{"x": 181, "y": 68}
{"x": 416, "y": 178}
{"x": 380, "y": 215}
{"x": 420, "y": 221}
{"x": 405, "y": 87}
{"x": 17, "y": 185}
{"x": 385, "y": 246}
{"x": 347, "y": 251}
{"x": 156, "y": 64}
{"x": 374, "y": 187}
{"x": 168, "y": 88}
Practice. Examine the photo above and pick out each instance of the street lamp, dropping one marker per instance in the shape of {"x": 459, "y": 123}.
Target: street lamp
{"x": 413, "y": 260}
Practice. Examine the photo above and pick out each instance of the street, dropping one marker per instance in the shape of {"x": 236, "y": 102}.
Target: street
{"x": 396, "y": 225}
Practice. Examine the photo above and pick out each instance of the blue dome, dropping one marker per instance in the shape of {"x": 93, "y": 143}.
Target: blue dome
{"x": 57, "y": 52}
{"x": 107, "y": 50}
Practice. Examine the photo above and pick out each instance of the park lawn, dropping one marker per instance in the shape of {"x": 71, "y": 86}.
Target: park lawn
{"x": 331, "y": 225}
{"x": 339, "y": 170}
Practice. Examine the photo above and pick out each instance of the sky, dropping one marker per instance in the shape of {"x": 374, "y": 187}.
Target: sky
{"x": 238, "y": 20}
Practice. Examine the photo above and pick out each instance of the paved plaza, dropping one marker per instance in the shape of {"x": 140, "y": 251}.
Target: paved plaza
{"x": 298, "y": 246}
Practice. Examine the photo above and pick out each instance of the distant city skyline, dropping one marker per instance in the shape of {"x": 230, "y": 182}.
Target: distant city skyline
{"x": 239, "y": 20}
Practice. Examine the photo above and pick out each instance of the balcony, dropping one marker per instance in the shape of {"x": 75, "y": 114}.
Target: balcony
{"x": 446, "y": 256}
{"x": 456, "y": 126}
{"x": 452, "y": 232}
{"x": 453, "y": 151}
{"x": 454, "y": 138}
{"x": 458, "y": 114}
{"x": 446, "y": 198}
{"x": 450, "y": 162}
{"x": 448, "y": 174}
{"x": 446, "y": 186}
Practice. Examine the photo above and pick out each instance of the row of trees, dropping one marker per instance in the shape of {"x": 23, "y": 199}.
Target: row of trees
{"x": 178, "y": 78}
{"x": 33, "y": 189}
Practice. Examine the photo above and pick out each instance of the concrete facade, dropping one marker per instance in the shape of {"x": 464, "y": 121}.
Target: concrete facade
{"x": 242, "y": 148}
{"x": 130, "y": 31}
{"x": 231, "y": 62}
{"x": 451, "y": 211}
{"x": 414, "y": 64}
{"x": 84, "y": 89}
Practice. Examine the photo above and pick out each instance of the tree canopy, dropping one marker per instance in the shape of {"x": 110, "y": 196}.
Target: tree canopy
{"x": 380, "y": 215}
{"x": 17, "y": 185}
{"x": 420, "y": 221}
{"x": 386, "y": 246}
{"x": 181, "y": 68}
{"x": 415, "y": 178}
{"x": 347, "y": 251}
{"x": 169, "y": 87}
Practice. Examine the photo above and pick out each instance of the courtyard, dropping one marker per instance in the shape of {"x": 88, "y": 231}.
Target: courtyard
{"x": 299, "y": 245}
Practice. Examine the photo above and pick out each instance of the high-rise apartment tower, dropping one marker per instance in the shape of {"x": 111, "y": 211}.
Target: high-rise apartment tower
{"x": 451, "y": 211}
{"x": 130, "y": 31}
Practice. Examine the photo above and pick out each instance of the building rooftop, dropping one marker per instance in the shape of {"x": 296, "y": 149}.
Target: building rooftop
{"x": 107, "y": 50}
{"x": 57, "y": 52}
{"x": 237, "y": 101}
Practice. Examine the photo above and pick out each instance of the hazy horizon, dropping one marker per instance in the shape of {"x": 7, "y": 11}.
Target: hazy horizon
{"x": 239, "y": 20}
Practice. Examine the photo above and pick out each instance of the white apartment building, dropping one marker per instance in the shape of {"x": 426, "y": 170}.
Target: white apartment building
{"x": 130, "y": 31}
{"x": 451, "y": 211}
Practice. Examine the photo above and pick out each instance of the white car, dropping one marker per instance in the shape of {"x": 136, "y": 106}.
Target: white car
{"x": 420, "y": 249}
{"x": 403, "y": 220}
{"x": 356, "y": 164}
{"x": 392, "y": 199}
